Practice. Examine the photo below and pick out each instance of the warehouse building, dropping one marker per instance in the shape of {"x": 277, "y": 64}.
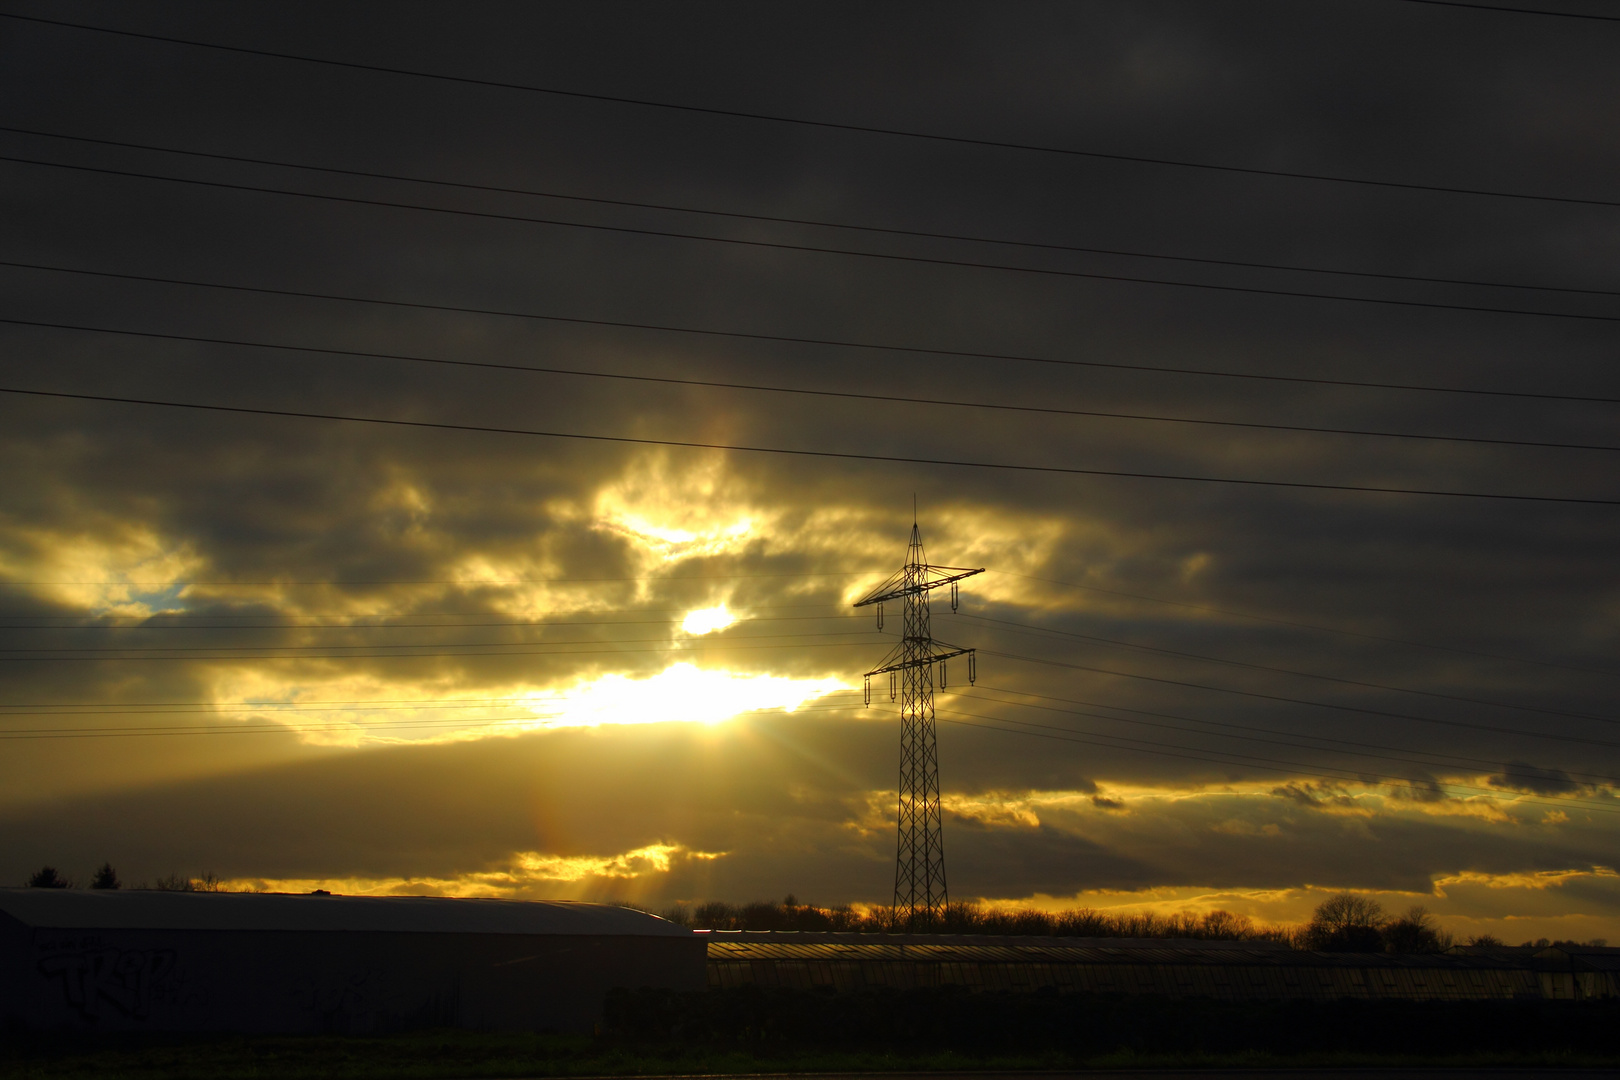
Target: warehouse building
{"x": 1224, "y": 970}
{"x": 276, "y": 963}
{"x": 245, "y": 962}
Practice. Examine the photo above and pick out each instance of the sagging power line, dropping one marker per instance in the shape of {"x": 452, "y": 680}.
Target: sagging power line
{"x": 808, "y": 122}
{"x": 842, "y": 455}
{"x": 819, "y": 223}
{"x": 879, "y": 348}
{"x": 850, "y": 395}
{"x": 817, "y": 249}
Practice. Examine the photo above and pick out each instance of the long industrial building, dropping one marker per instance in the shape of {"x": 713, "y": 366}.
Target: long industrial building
{"x": 262, "y": 963}
{"x": 245, "y": 962}
{"x": 1225, "y": 970}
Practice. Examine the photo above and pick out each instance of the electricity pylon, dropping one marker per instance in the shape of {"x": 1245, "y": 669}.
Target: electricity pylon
{"x": 920, "y": 895}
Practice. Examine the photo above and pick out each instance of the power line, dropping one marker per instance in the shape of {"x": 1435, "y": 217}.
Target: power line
{"x": 275, "y": 708}
{"x": 803, "y": 391}
{"x": 829, "y": 125}
{"x": 740, "y": 335}
{"x": 474, "y": 583}
{"x": 1517, "y": 10}
{"x": 1309, "y": 626}
{"x": 778, "y": 245}
{"x": 832, "y": 454}
{"x": 176, "y": 619}
{"x": 433, "y": 655}
{"x": 364, "y": 708}
{"x": 193, "y": 627}
{"x": 780, "y": 220}
{"x": 341, "y": 705}
{"x": 101, "y": 649}
{"x": 1518, "y": 732}
{"x": 529, "y": 724}
{"x": 1018, "y": 627}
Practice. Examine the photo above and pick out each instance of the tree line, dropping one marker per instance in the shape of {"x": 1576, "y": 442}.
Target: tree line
{"x": 106, "y": 877}
{"x": 1344, "y": 922}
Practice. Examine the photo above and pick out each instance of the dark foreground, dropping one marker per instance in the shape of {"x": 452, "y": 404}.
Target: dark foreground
{"x": 753, "y": 1032}
{"x": 466, "y": 1056}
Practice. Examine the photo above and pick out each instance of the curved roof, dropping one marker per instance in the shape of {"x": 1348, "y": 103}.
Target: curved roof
{"x": 134, "y": 909}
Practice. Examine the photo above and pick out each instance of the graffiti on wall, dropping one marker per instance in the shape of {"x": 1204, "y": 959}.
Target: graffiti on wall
{"x": 127, "y": 980}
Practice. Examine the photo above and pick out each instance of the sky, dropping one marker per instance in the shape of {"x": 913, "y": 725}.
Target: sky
{"x": 487, "y": 415}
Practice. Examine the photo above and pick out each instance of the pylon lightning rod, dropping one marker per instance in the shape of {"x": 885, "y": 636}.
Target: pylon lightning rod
{"x": 920, "y": 892}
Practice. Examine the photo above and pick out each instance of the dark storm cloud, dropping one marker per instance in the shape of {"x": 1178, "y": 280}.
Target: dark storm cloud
{"x": 1412, "y": 641}
{"x": 1522, "y": 776}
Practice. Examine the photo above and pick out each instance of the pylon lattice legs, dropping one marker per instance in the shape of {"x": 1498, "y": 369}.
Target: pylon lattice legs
{"x": 920, "y": 895}
{"x": 919, "y": 871}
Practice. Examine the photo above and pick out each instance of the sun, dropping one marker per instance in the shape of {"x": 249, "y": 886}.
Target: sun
{"x": 681, "y": 693}
{"x": 707, "y": 620}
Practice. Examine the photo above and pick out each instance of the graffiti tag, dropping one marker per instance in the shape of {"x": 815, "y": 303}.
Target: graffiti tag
{"x": 126, "y": 979}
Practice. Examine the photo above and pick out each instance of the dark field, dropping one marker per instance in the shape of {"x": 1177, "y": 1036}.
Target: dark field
{"x": 751, "y": 1031}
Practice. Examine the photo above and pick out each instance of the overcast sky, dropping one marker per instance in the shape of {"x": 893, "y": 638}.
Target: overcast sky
{"x": 1215, "y": 669}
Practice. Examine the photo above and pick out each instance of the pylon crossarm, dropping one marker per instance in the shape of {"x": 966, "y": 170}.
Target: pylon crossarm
{"x": 896, "y": 586}
{"x": 921, "y": 661}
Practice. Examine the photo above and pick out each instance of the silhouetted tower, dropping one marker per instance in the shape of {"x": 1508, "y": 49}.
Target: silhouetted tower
{"x": 919, "y": 870}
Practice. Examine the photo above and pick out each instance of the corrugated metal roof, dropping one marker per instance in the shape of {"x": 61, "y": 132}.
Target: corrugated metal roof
{"x": 131, "y": 909}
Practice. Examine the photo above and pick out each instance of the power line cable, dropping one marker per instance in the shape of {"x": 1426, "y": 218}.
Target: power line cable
{"x": 1517, "y": 10}
{"x": 1387, "y": 714}
{"x": 804, "y": 391}
{"x": 278, "y": 710}
{"x": 831, "y": 454}
{"x": 781, "y": 220}
{"x": 695, "y": 648}
{"x": 829, "y": 125}
{"x": 177, "y": 619}
{"x": 740, "y": 335}
{"x": 193, "y": 627}
{"x": 1309, "y": 626}
{"x": 530, "y": 724}
{"x": 779, "y": 245}
{"x": 365, "y": 710}
{"x": 206, "y": 708}
{"x": 297, "y": 649}
{"x": 1017, "y": 627}
{"x": 472, "y": 582}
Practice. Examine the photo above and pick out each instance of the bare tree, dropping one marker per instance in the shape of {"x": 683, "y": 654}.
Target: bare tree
{"x": 1347, "y": 922}
{"x": 1416, "y": 932}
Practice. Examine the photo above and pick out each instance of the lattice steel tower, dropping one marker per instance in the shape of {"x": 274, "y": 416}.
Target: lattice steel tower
{"x": 920, "y": 895}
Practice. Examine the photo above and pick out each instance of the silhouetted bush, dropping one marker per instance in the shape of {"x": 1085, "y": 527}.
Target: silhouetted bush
{"x": 105, "y": 878}
{"x": 46, "y": 877}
